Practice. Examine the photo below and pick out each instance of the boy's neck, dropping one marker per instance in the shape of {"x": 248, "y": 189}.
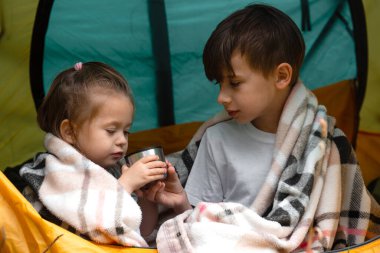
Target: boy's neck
{"x": 268, "y": 127}
{"x": 269, "y": 122}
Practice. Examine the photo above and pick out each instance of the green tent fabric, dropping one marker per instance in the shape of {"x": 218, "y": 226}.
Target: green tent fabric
{"x": 370, "y": 113}
{"x": 20, "y": 136}
{"x": 120, "y": 34}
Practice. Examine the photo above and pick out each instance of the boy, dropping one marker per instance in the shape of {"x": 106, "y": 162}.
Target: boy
{"x": 274, "y": 169}
{"x": 255, "y": 56}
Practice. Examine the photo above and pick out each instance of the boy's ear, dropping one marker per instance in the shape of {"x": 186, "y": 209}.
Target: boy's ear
{"x": 67, "y": 132}
{"x": 284, "y": 74}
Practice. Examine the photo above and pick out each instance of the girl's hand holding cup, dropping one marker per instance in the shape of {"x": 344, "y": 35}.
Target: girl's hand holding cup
{"x": 146, "y": 166}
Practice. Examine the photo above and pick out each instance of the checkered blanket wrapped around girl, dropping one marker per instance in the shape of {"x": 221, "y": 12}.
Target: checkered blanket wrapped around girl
{"x": 313, "y": 199}
{"x": 68, "y": 189}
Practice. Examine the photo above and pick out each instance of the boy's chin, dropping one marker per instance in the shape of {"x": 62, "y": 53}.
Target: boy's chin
{"x": 242, "y": 121}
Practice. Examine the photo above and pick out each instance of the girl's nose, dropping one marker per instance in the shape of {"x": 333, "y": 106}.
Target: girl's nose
{"x": 122, "y": 140}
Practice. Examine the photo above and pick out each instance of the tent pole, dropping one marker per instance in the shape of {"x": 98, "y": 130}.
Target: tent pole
{"x": 161, "y": 53}
{"x": 37, "y": 50}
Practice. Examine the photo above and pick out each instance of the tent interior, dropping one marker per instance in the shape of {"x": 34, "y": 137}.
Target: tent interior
{"x": 157, "y": 46}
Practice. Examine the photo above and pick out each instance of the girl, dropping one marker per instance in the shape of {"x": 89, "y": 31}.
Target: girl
{"x": 82, "y": 181}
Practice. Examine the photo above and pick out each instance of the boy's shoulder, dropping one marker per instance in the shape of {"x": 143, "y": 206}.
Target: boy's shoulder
{"x": 226, "y": 128}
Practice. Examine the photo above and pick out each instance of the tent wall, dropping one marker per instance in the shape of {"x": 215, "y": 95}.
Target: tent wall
{"x": 368, "y": 146}
{"x": 370, "y": 113}
{"x": 20, "y": 136}
{"x": 127, "y": 36}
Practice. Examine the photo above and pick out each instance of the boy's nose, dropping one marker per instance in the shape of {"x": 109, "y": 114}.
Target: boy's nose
{"x": 223, "y": 98}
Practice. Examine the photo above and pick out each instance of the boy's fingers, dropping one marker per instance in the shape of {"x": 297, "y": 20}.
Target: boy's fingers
{"x": 139, "y": 193}
{"x": 171, "y": 173}
{"x": 161, "y": 187}
{"x": 151, "y": 193}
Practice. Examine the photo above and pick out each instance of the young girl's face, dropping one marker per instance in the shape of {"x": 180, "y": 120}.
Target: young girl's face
{"x": 248, "y": 96}
{"x": 104, "y": 138}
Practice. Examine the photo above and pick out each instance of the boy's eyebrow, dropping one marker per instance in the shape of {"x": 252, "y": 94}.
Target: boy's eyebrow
{"x": 234, "y": 77}
{"x": 230, "y": 76}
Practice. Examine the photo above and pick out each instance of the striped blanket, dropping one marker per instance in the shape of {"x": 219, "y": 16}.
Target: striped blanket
{"x": 314, "y": 198}
{"x": 70, "y": 190}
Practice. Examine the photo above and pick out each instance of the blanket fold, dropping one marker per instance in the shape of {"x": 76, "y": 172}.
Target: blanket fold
{"x": 314, "y": 197}
{"x": 82, "y": 195}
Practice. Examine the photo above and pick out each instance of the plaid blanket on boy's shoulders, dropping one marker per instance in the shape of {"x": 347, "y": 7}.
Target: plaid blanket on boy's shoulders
{"x": 71, "y": 191}
{"x": 314, "y": 197}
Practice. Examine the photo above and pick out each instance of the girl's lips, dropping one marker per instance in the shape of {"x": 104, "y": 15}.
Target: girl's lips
{"x": 117, "y": 155}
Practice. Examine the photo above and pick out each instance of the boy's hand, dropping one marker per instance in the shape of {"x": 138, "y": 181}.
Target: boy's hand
{"x": 169, "y": 192}
{"x": 145, "y": 170}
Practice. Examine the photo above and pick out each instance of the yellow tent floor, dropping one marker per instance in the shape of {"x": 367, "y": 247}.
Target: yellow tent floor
{"x": 23, "y": 230}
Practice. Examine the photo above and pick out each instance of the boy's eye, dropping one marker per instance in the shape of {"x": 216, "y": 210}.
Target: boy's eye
{"x": 126, "y": 133}
{"x": 234, "y": 84}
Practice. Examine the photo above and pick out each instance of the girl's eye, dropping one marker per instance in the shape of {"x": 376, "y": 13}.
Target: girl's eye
{"x": 126, "y": 133}
{"x": 110, "y": 131}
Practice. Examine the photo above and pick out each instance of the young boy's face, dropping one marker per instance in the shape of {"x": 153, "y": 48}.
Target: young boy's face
{"x": 104, "y": 138}
{"x": 248, "y": 96}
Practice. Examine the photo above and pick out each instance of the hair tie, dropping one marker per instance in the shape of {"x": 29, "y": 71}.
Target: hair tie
{"x": 78, "y": 66}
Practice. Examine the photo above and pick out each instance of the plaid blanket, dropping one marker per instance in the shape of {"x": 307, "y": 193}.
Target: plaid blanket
{"x": 313, "y": 199}
{"x": 70, "y": 190}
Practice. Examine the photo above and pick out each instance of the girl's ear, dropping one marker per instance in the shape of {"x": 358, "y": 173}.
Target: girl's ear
{"x": 284, "y": 74}
{"x": 67, "y": 132}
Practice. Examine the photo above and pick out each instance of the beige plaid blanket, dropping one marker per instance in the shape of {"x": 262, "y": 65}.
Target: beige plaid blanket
{"x": 70, "y": 190}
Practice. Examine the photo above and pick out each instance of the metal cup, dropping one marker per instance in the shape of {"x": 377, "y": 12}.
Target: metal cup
{"x": 132, "y": 158}
{"x": 157, "y": 150}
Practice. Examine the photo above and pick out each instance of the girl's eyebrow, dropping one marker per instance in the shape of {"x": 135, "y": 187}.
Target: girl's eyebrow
{"x": 117, "y": 123}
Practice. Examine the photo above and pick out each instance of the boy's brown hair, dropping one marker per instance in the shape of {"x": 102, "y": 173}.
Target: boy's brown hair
{"x": 69, "y": 94}
{"x": 263, "y": 34}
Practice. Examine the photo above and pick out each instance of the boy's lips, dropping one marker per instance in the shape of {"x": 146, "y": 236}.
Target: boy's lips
{"x": 232, "y": 113}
